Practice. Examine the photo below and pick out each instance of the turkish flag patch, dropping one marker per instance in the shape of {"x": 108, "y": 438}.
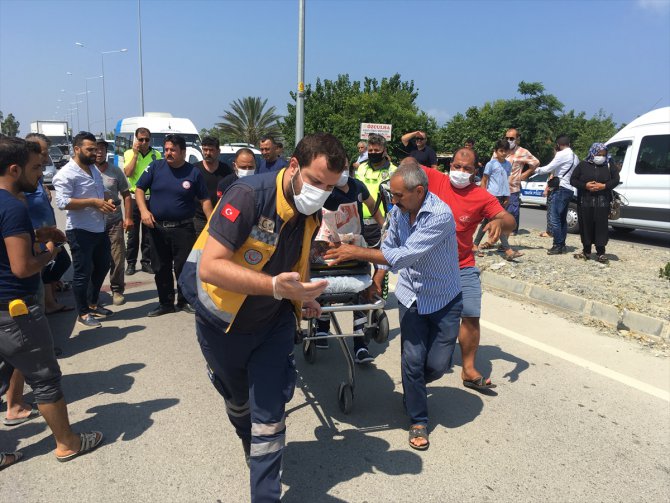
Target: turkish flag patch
{"x": 230, "y": 212}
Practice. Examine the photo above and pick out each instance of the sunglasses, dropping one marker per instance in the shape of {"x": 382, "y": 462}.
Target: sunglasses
{"x": 143, "y": 140}
{"x": 511, "y": 138}
{"x": 420, "y": 139}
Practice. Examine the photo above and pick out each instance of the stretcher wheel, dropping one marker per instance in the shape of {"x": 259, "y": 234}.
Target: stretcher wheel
{"x": 382, "y": 322}
{"x": 345, "y": 397}
{"x": 309, "y": 351}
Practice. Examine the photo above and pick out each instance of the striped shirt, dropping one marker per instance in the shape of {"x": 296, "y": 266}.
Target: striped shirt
{"x": 425, "y": 254}
{"x": 519, "y": 158}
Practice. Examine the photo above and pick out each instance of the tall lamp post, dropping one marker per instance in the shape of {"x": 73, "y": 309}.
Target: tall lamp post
{"x": 104, "y": 95}
{"x": 300, "y": 101}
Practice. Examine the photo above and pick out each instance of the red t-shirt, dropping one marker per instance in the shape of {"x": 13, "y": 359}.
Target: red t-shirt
{"x": 470, "y": 206}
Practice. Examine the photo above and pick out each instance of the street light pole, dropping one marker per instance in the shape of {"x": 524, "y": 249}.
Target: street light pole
{"x": 300, "y": 101}
{"x": 139, "y": 29}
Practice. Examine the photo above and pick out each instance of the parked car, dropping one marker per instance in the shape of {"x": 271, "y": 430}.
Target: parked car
{"x": 228, "y": 151}
{"x": 641, "y": 153}
{"x": 48, "y": 173}
{"x": 532, "y": 192}
{"x": 58, "y": 158}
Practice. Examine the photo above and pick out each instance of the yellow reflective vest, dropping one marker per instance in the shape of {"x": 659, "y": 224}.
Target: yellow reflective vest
{"x": 372, "y": 178}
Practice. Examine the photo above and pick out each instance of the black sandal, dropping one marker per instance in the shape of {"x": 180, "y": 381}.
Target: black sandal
{"x": 603, "y": 259}
{"x": 581, "y": 255}
{"x": 418, "y": 431}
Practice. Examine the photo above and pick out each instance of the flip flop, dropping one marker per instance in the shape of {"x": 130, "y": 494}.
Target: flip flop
{"x": 62, "y": 309}
{"x": 418, "y": 431}
{"x": 479, "y": 384}
{"x": 4, "y": 463}
{"x": 89, "y": 441}
{"x": 34, "y": 412}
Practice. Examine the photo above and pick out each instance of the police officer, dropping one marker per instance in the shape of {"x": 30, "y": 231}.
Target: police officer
{"x": 135, "y": 162}
{"x": 175, "y": 186}
{"x": 250, "y": 285}
{"x": 26, "y": 342}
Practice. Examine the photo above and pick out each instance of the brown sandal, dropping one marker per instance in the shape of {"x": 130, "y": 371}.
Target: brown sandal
{"x": 418, "y": 431}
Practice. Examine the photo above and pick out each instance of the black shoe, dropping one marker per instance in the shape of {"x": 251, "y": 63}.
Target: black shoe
{"x": 187, "y": 308}
{"x": 130, "y": 270}
{"x": 321, "y": 342}
{"x": 363, "y": 356}
{"x": 556, "y": 250}
{"x": 160, "y": 311}
{"x": 88, "y": 321}
{"x": 147, "y": 268}
{"x": 100, "y": 312}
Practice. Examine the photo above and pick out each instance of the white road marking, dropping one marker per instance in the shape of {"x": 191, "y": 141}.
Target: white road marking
{"x": 594, "y": 367}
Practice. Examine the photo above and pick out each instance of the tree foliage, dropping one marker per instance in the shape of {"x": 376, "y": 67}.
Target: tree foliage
{"x": 9, "y": 126}
{"x": 247, "y": 121}
{"x": 340, "y": 106}
{"x": 537, "y": 116}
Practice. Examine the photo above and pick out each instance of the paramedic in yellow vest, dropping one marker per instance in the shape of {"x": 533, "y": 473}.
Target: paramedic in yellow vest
{"x": 135, "y": 161}
{"x": 248, "y": 279}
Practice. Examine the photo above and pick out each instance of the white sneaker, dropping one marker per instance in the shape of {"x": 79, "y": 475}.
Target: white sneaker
{"x": 118, "y": 299}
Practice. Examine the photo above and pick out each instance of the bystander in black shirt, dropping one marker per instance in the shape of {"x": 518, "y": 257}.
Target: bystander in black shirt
{"x": 212, "y": 182}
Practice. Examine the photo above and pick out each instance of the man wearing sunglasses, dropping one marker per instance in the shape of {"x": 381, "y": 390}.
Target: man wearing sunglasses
{"x": 417, "y": 148}
{"x": 135, "y": 162}
{"x": 523, "y": 166}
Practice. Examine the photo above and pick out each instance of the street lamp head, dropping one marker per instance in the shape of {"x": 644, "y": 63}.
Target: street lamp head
{"x": 79, "y": 44}
{"x": 124, "y": 50}
{"x": 68, "y": 73}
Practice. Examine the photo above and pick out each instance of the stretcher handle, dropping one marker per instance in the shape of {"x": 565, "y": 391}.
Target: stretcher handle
{"x": 354, "y": 307}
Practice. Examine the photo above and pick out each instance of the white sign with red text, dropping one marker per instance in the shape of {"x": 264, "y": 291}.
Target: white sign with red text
{"x": 382, "y": 129}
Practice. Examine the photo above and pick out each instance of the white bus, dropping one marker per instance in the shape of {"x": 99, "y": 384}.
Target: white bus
{"x": 160, "y": 124}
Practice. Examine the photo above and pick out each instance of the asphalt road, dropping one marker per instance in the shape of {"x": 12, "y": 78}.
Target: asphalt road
{"x": 577, "y": 416}
{"x": 533, "y": 218}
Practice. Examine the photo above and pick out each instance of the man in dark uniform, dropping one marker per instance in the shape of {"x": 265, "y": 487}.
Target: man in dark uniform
{"x": 415, "y": 142}
{"x": 247, "y": 277}
{"x": 213, "y": 171}
{"x": 26, "y": 343}
{"x": 175, "y": 185}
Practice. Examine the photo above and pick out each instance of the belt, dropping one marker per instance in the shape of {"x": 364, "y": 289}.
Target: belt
{"x": 175, "y": 223}
{"x": 369, "y": 221}
{"x": 30, "y": 300}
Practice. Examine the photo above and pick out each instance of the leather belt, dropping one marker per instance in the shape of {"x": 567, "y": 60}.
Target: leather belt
{"x": 176, "y": 223}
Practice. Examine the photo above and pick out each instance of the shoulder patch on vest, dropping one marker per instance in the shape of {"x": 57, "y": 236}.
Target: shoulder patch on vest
{"x": 253, "y": 257}
{"x": 230, "y": 212}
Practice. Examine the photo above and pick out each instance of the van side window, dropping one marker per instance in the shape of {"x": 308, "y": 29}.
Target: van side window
{"x": 653, "y": 157}
{"x": 617, "y": 153}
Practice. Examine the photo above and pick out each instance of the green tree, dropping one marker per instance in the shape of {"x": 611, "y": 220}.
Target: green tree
{"x": 340, "y": 106}
{"x": 9, "y": 126}
{"x": 248, "y": 120}
{"x": 537, "y": 116}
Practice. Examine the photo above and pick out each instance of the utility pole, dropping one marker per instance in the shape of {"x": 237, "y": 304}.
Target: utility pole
{"x": 300, "y": 101}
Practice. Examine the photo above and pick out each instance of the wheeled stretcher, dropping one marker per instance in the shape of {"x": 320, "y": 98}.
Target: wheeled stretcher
{"x": 345, "y": 292}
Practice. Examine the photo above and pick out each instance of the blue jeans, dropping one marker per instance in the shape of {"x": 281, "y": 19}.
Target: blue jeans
{"x": 428, "y": 342}
{"x": 514, "y": 208}
{"x": 558, "y": 214}
{"x": 91, "y": 257}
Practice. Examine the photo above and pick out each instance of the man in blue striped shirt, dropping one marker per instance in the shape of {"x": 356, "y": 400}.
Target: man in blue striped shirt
{"x": 421, "y": 246}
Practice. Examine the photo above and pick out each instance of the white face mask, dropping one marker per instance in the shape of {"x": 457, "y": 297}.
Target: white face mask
{"x": 311, "y": 198}
{"x": 344, "y": 179}
{"x": 511, "y": 143}
{"x": 241, "y": 173}
{"x": 459, "y": 179}
{"x": 599, "y": 159}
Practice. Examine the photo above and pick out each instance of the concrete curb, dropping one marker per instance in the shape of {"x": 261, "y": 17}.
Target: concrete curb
{"x": 610, "y": 315}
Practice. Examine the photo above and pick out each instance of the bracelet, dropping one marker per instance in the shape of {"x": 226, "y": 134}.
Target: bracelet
{"x": 274, "y": 289}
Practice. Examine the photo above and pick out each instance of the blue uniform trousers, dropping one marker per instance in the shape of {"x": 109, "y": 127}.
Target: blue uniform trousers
{"x": 427, "y": 342}
{"x": 255, "y": 374}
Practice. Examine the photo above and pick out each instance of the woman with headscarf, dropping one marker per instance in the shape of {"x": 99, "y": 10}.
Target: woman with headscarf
{"x": 595, "y": 179}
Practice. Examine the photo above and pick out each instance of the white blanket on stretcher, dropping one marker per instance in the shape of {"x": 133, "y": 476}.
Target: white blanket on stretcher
{"x": 346, "y": 284}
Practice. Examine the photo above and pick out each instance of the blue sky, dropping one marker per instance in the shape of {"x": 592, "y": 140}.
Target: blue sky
{"x": 201, "y": 55}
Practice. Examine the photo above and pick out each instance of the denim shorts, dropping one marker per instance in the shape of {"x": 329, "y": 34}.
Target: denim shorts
{"x": 472, "y": 292}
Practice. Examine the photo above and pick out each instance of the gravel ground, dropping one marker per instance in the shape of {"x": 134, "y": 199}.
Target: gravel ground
{"x": 630, "y": 281}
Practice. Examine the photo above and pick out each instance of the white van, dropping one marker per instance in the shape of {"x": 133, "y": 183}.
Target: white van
{"x": 160, "y": 124}
{"x": 641, "y": 152}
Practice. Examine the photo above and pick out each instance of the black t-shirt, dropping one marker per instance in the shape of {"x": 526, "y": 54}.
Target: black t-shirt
{"x": 427, "y": 156}
{"x": 175, "y": 193}
{"x": 232, "y": 224}
{"x": 357, "y": 193}
{"x": 14, "y": 220}
{"x": 211, "y": 182}
{"x": 224, "y": 183}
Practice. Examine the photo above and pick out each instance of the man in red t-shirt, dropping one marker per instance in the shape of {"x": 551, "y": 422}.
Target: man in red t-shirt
{"x": 470, "y": 205}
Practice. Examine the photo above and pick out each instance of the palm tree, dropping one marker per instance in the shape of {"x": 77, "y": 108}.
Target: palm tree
{"x": 247, "y": 121}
